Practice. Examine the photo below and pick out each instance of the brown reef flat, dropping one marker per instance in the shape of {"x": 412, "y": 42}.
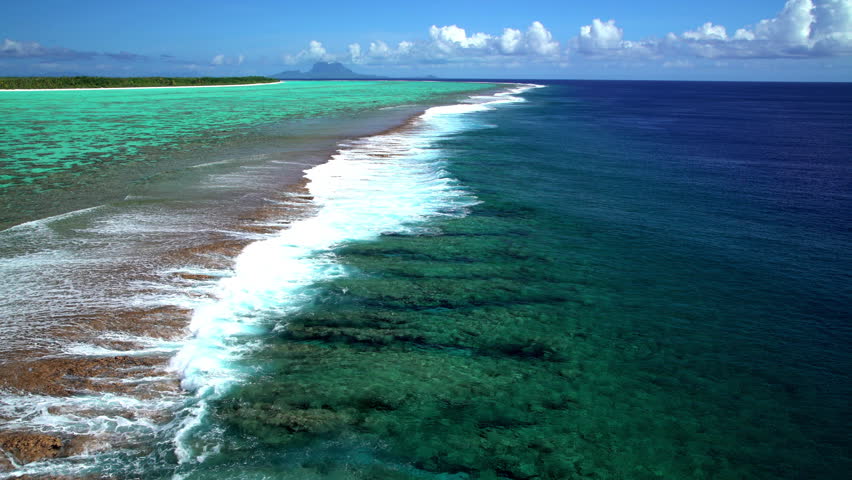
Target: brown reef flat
{"x": 40, "y": 371}
{"x": 28, "y": 447}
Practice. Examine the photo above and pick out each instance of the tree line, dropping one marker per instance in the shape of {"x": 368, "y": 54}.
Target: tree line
{"x": 8, "y": 83}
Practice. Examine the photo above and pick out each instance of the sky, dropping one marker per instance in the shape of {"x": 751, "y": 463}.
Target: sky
{"x": 764, "y": 40}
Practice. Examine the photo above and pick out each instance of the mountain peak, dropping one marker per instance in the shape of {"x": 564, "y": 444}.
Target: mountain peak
{"x": 330, "y": 68}
{"x": 323, "y": 71}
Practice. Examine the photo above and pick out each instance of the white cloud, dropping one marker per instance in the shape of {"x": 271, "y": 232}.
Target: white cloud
{"x": 451, "y": 43}
{"x": 832, "y": 28}
{"x": 511, "y": 41}
{"x": 450, "y": 38}
{"x": 791, "y": 27}
{"x": 315, "y": 52}
{"x": 379, "y": 49}
{"x": 802, "y": 28}
{"x": 380, "y": 52}
{"x": 218, "y": 60}
{"x": 355, "y": 53}
{"x": 540, "y": 41}
{"x": 708, "y": 31}
{"x": 743, "y": 34}
{"x": 600, "y": 37}
{"x": 404, "y": 48}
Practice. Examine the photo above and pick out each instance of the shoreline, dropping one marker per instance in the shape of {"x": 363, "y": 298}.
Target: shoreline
{"x": 134, "y": 88}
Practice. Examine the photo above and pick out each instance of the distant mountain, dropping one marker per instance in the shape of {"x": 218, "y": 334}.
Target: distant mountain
{"x": 324, "y": 71}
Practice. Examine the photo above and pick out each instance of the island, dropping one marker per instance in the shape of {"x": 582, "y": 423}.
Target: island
{"x": 326, "y": 71}
{"x": 34, "y": 83}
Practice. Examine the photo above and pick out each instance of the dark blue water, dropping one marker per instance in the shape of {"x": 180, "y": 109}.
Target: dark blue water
{"x": 656, "y": 284}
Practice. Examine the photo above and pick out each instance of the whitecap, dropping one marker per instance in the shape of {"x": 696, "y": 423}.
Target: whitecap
{"x": 381, "y": 184}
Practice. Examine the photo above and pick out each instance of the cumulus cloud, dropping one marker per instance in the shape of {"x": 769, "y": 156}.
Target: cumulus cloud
{"x": 743, "y": 34}
{"x": 511, "y": 41}
{"x": 451, "y": 38}
{"x": 600, "y": 37}
{"x": 379, "y": 49}
{"x": 803, "y": 28}
{"x": 355, "y": 53}
{"x": 708, "y": 31}
{"x": 791, "y": 27}
{"x": 404, "y": 48}
{"x": 832, "y": 27}
{"x": 452, "y": 43}
{"x": 603, "y": 39}
{"x": 539, "y": 41}
{"x": 315, "y": 52}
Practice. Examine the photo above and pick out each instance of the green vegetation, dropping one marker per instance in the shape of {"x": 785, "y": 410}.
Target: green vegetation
{"x": 10, "y": 83}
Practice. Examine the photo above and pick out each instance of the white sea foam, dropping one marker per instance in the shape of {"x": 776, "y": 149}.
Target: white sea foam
{"x": 37, "y": 259}
{"x": 144, "y": 346}
{"x": 210, "y": 164}
{"x": 72, "y": 415}
{"x": 375, "y": 185}
{"x": 111, "y": 420}
{"x": 43, "y": 222}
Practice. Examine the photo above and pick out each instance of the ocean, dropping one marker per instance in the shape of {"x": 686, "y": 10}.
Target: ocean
{"x": 556, "y": 279}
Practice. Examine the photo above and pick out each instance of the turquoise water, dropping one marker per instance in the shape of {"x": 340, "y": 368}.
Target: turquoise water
{"x": 95, "y": 143}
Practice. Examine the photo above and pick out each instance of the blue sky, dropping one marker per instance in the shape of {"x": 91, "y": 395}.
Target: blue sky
{"x": 662, "y": 39}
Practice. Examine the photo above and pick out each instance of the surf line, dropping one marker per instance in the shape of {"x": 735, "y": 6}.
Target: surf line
{"x": 390, "y": 182}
